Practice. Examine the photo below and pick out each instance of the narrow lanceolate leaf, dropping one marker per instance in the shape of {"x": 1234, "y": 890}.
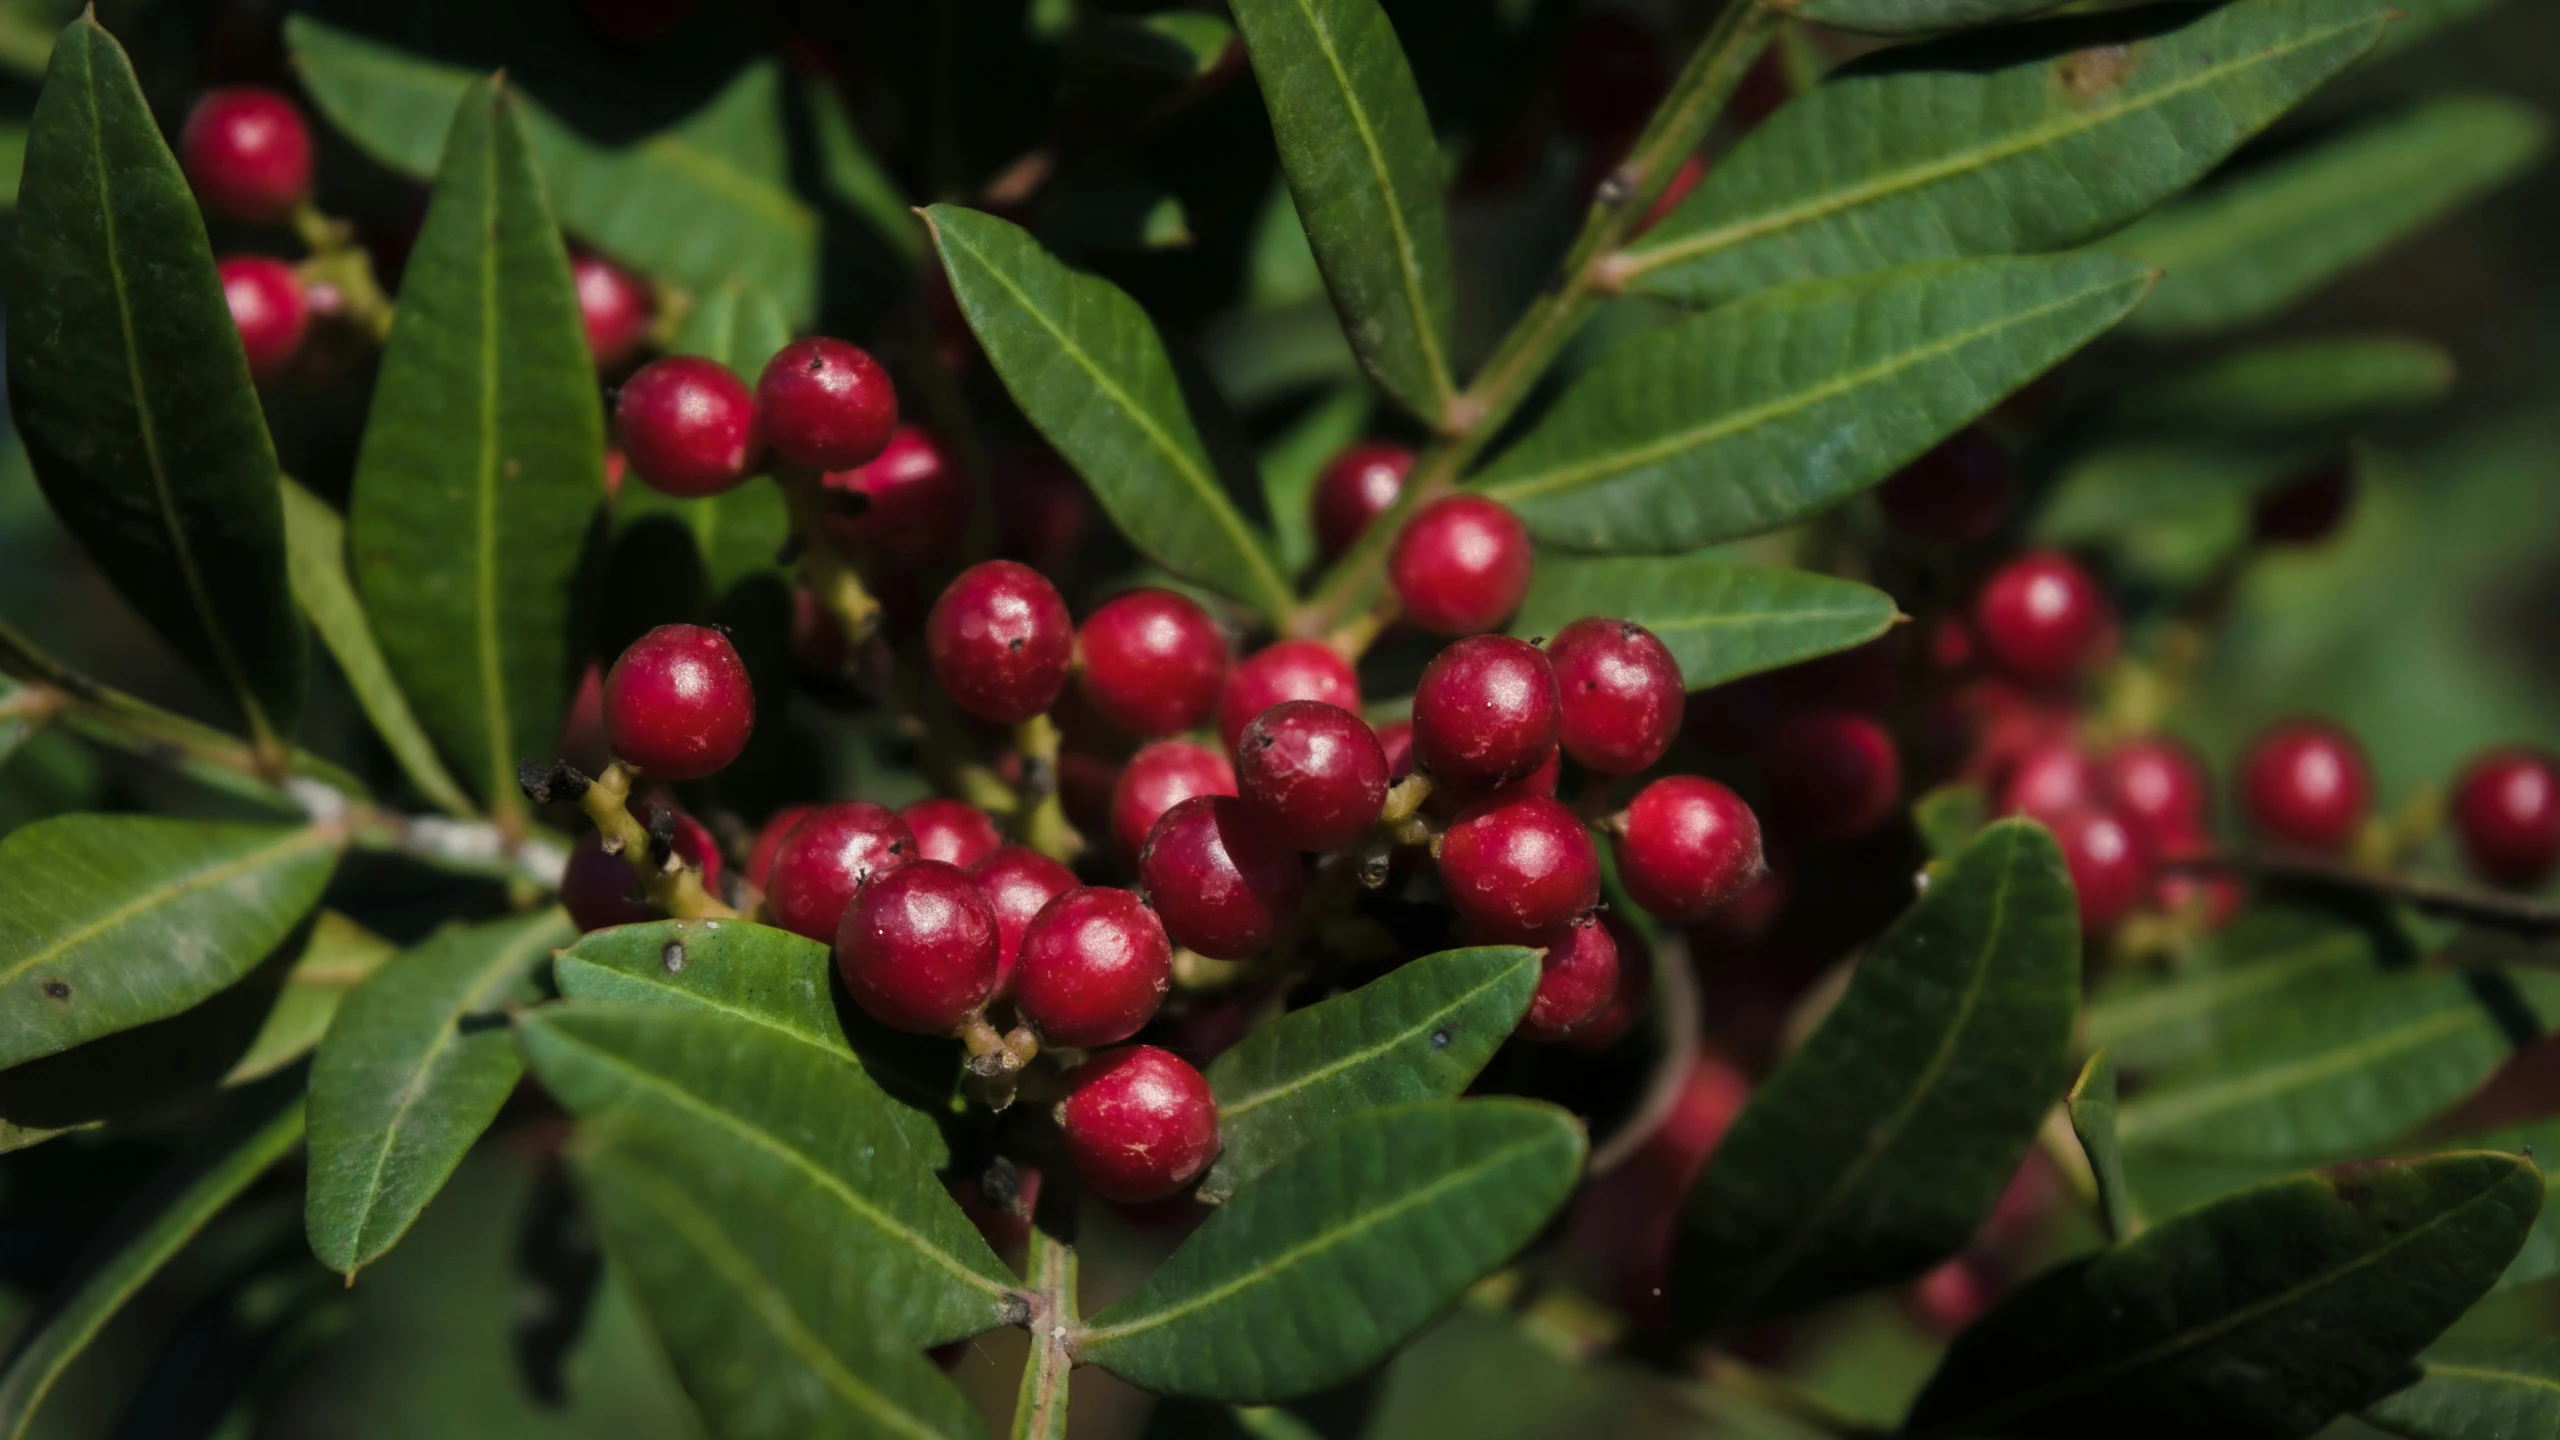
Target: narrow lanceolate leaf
{"x": 749, "y": 1109}
{"x": 2477, "y": 1391}
{"x": 2292, "y": 390}
{"x": 758, "y": 1304}
{"x": 44, "y": 1355}
{"x": 340, "y": 956}
{"x": 127, "y": 383}
{"x": 2268, "y": 961}
{"x": 1331, "y": 1258}
{"x": 2026, "y": 140}
{"x": 1881, "y": 1143}
{"x": 1721, "y": 621}
{"x": 2092, "y": 1104}
{"x": 1781, "y": 406}
{"x": 412, "y": 1071}
{"x": 2270, "y": 235}
{"x": 113, "y": 921}
{"x": 482, "y": 460}
{"x": 2268, "y": 1312}
{"x": 316, "y": 553}
{"x": 2540, "y": 1258}
{"x": 1365, "y": 172}
{"x": 1085, "y": 364}
{"x": 737, "y": 325}
{"x": 1420, "y": 1033}
{"x": 738, "y": 534}
{"x": 1911, "y": 17}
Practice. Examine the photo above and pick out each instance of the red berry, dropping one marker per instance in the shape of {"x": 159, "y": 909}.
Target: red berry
{"x": 1286, "y": 670}
{"x": 687, "y": 425}
{"x": 1019, "y": 881}
{"x": 1041, "y": 509}
{"x": 826, "y": 405}
{"x": 1612, "y": 71}
{"x": 1953, "y": 1295}
{"x": 1619, "y": 694}
{"x": 1516, "y": 866}
{"x": 2506, "y": 809}
{"x": 916, "y": 502}
{"x": 1139, "y": 1124}
{"x": 1484, "y": 712}
{"x": 1154, "y": 662}
{"x": 1683, "y": 181}
{"x": 2050, "y": 779}
{"x": 2108, "y": 866}
{"x": 1095, "y": 965}
{"x": 1000, "y": 641}
{"x": 1832, "y": 776}
{"x": 1395, "y": 741}
{"x": 247, "y": 152}
{"x": 615, "y": 306}
{"x": 1159, "y": 777}
{"x": 2158, "y": 787}
{"x": 826, "y": 858}
{"x": 265, "y": 299}
{"x": 1358, "y": 487}
{"x": 1461, "y": 566}
{"x": 1313, "y": 774}
{"x": 1626, "y": 1001}
{"x": 601, "y": 891}
{"x": 1447, "y": 799}
{"x": 1576, "y": 980}
{"x": 769, "y": 841}
{"x": 1685, "y": 846}
{"x": 2307, "y": 508}
{"x": 2305, "y": 783}
{"x": 1956, "y": 494}
{"x": 1222, "y": 886}
{"x": 2041, "y": 617}
{"x": 678, "y": 704}
{"x": 952, "y": 831}
{"x": 917, "y": 948}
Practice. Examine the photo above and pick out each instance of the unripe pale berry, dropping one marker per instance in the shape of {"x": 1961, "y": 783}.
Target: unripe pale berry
{"x": 2110, "y": 870}
{"x": 266, "y": 304}
{"x": 2158, "y": 787}
{"x": 1313, "y": 774}
{"x": 1356, "y": 488}
{"x": 1154, "y": 662}
{"x": 1576, "y": 980}
{"x": 917, "y": 947}
{"x": 1832, "y": 776}
{"x": 826, "y": 405}
{"x": 247, "y": 152}
{"x": 1484, "y": 712}
{"x": 2041, "y": 618}
{"x": 1461, "y": 565}
{"x": 952, "y": 831}
{"x": 1222, "y": 886}
{"x": 827, "y": 858}
{"x": 2305, "y": 783}
{"x": 1285, "y": 670}
{"x": 1685, "y": 846}
{"x": 1139, "y": 1123}
{"x": 1512, "y": 867}
{"x": 1619, "y": 694}
{"x": 614, "y": 306}
{"x": 1095, "y": 965}
{"x": 2506, "y": 811}
{"x": 1159, "y": 777}
{"x": 916, "y": 502}
{"x": 1000, "y": 641}
{"x": 1019, "y": 882}
{"x": 687, "y": 426}
{"x": 601, "y": 891}
{"x": 678, "y": 704}
{"x": 1956, "y": 494}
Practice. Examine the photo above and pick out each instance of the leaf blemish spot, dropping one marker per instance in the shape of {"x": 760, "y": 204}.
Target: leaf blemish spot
{"x": 673, "y": 957}
{"x": 1440, "y": 1038}
{"x": 2088, "y": 74}
{"x": 57, "y": 989}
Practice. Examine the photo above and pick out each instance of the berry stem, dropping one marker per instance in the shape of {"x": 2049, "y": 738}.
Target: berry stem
{"x": 1040, "y": 1408}
{"x": 1675, "y": 1006}
{"x": 671, "y": 884}
{"x": 2497, "y": 912}
{"x": 996, "y": 1059}
{"x": 344, "y": 268}
{"x": 1041, "y": 814}
{"x": 823, "y": 567}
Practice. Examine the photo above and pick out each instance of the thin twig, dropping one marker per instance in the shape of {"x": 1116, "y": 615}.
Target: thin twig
{"x": 2502, "y": 912}
{"x": 1675, "y": 988}
{"x": 1040, "y": 1407}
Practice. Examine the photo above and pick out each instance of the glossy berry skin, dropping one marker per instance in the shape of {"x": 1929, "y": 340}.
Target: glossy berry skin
{"x": 1484, "y": 712}
{"x": 1159, "y": 777}
{"x": 1139, "y": 1124}
{"x": 1095, "y": 966}
{"x": 601, "y": 891}
{"x": 2305, "y": 783}
{"x": 2506, "y": 811}
{"x": 2041, "y": 618}
{"x": 688, "y": 426}
{"x": 1154, "y": 662}
{"x": 952, "y": 831}
{"x": 916, "y": 502}
{"x": 829, "y": 856}
{"x": 1019, "y": 882}
{"x": 1626, "y": 999}
{"x": 1356, "y": 488}
{"x": 678, "y": 704}
{"x": 1313, "y": 774}
{"x": 614, "y": 305}
{"x": 2110, "y": 868}
{"x": 825, "y": 404}
{"x": 1619, "y": 694}
{"x": 1685, "y": 846}
{"x": 1576, "y": 980}
{"x": 1956, "y": 494}
{"x": 247, "y": 152}
{"x": 1221, "y": 884}
{"x": 1000, "y": 641}
{"x": 769, "y": 841}
{"x": 1513, "y": 867}
{"x": 1446, "y": 800}
{"x": 1832, "y": 776}
{"x": 917, "y": 948}
{"x": 1286, "y": 670}
{"x": 267, "y": 307}
{"x": 1395, "y": 741}
{"x": 1461, "y": 565}
{"x": 2049, "y": 779}
{"x": 2159, "y": 787}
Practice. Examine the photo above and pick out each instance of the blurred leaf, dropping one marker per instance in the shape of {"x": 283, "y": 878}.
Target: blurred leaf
{"x": 1109, "y": 206}
{"x": 2270, "y": 960}
{"x": 1782, "y": 405}
{"x": 111, "y": 921}
{"x": 2320, "y": 389}
{"x": 412, "y": 1071}
{"x": 13, "y": 161}
{"x": 2268, "y": 1312}
{"x": 1949, "y": 817}
{"x": 1881, "y": 1143}
{"x": 1721, "y": 621}
{"x": 127, "y": 383}
{"x": 1346, "y": 1247}
{"x": 1087, "y": 367}
{"x": 2540, "y": 1258}
{"x": 2255, "y": 243}
{"x": 738, "y": 325}
{"x": 1180, "y": 43}
{"x": 1259, "y": 356}
{"x": 1421, "y": 1032}
{"x": 1280, "y": 267}
{"x": 2421, "y": 19}
{"x": 2477, "y": 1391}
{"x": 2036, "y": 138}
{"x": 482, "y": 462}
{"x": 1292, "y": 462}
{"x": 17, "y": 726}
{"x": 857, "y": 177}
{"x": 1912, "y": 17}
{"x": 2092, "y": 1104}
{"x": 1365, "y": 174}
{"x": 2167, "y": 510}
{"x": 338, "y": 957}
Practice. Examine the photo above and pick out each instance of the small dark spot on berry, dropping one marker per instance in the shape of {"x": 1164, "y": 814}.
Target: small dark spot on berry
{"x": 817, "y": 362}
{"x": 1628, "y": 629}
{"x": 1014, "y": 644}
{"x": 1440, "y": 1039}
{"x": 673, "y": 957}
{"x": 57, "y": 989}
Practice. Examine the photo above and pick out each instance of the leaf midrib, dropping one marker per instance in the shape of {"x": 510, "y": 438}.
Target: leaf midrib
{"x": 204, "y": 879}
{"x": 493, "y": 680}
{"x": 680, "y": 995}
{"x": 2171, "y": 1005}
{"x": 2186, "y": 1105}
{"x": 1228, "y": 1112}
{"x": 2521, "y": 1378}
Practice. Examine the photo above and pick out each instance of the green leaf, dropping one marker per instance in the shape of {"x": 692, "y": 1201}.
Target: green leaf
{"x": 337, "y": 959}
{"x": 1721, "y": 621}
{"x": 857, "y": 177}
{"x": 112, "y": 921}
{"x": 2270, "y": 960}
{"x": 47, "y": 1353}
{"x": 412, "y": 1071}
{"x": 1421, "y": 1032}
{"x": 1182, "y": 44}
{"x": 13, "y": 163}
{"x": 482, "y": 461}
{"x": 1948, "y": 818}
{"x": 2268, "y": 1312}
{"x": 1087, "y": 367}
{"x": 127, "y": 383}
{"x": 2251, "y": 246}
{"x": 2033, "y": 139}
{"x": 2320, "y": 389}
{"x": 2092, "y": 1105}
{"x": 1365, "y": 173}
{"x": 1911, "y": 17}
{"x": 739, "y": 326}
{"x": 1294, "y": 460}
{"x": 2477, "y": 1391}
{"x": 749, "y": 1109}
{"x": 1882, "y": 1142}
{"x": 2540, "y": 1258}
{"x": 1782, "y": 405}
{"x": 316, "y": 557}
{"x": 1333, "y": 1257}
